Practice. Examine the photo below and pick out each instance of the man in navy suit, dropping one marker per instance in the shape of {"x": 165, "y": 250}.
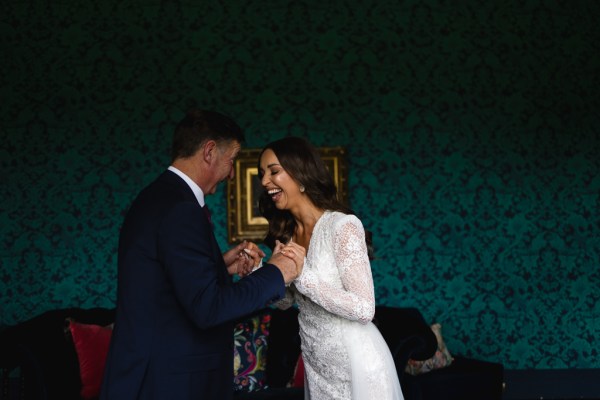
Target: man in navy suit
{"x": 176, "y": 300}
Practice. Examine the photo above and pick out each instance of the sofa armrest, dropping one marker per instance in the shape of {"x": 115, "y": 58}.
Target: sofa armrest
{"x": 20, "y": 369}
{"x": 406, "y": 333}
{"x": 46, "y": 359}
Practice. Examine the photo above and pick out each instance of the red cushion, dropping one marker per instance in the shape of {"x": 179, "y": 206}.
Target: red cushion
{"x": 298, "y": 379}
{"x": 91, "y": 344}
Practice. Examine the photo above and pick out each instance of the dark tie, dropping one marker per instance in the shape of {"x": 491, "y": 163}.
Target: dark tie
{"x": 207, "y": 212}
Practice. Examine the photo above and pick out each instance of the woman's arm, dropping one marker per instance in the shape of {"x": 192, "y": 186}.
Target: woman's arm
{"x": 356, "y": 299}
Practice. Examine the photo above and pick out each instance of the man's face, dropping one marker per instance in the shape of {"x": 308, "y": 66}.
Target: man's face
{"x": 222, "y": 166}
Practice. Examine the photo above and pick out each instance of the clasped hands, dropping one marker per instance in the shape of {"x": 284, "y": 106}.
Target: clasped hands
{"x": 247, "y": 256}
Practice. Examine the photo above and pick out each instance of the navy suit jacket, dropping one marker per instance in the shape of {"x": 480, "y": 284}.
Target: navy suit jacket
{"x": 176, "y": 303}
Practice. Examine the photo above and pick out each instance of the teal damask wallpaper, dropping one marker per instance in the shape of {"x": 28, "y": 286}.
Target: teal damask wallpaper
{"x": 472, "y": 131}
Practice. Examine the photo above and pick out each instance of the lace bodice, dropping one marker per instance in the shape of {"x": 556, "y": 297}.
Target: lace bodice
{"x": 336, "y": 299}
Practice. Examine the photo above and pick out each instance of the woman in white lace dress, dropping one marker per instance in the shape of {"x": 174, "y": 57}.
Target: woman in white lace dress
{"x": 345, "y": 357}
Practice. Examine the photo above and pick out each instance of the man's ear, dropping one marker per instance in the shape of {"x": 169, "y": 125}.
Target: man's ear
{"x": 208, "y": 151}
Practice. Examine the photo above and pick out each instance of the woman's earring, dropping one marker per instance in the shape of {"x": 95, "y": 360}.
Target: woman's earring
{"x": 302, "y": 188}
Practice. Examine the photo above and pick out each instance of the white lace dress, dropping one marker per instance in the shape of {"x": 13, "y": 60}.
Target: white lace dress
{"x": 345, "y": 357}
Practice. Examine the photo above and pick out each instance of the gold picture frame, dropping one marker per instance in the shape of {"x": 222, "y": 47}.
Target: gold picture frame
{"x": 243, "y": 218}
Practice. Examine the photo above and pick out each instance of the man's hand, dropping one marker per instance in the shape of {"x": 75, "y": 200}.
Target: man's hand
{"x": 241, "y": 259}
{"x": 289, "y": 258}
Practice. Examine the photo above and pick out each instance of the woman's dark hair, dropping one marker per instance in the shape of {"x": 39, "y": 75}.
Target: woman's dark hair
{"x": 301, "y": 160}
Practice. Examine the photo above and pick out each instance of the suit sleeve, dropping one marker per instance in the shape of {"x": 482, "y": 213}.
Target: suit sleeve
{"x": 194, "y": 264}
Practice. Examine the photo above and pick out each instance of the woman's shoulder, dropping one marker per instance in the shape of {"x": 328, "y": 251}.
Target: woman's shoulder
{"x": 339, "y": 219}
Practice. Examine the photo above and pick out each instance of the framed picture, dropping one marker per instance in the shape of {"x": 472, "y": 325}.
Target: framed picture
{"x": 243, "y": 218}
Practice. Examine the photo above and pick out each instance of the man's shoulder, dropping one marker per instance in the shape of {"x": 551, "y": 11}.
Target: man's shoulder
{"x": 167, "y": 179}
{"x": 167, "y": 188}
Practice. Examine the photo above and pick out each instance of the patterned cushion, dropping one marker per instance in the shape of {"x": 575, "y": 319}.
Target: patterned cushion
{"x": 441, "y": 358}
{"x": 250, "y": 352}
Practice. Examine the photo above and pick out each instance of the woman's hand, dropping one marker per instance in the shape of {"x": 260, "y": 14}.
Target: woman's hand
{"x": 278, "y": 247}
{"x": 289, "y": 258}
{"x": 294, "y": 251}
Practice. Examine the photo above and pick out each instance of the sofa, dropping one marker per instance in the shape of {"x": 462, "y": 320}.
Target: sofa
{"x": 43, "y": 358}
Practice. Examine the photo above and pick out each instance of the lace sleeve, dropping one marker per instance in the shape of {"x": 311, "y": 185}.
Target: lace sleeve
{"x": 355, "y": 300}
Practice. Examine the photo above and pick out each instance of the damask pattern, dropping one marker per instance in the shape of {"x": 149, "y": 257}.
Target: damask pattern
{"x": 472, "y": 131}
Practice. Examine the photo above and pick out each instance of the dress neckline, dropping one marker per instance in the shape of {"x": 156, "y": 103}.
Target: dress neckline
{"x": 310, "y": 246}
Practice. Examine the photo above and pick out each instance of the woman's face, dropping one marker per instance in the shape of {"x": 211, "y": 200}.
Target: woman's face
{"x": 282, "y": 188}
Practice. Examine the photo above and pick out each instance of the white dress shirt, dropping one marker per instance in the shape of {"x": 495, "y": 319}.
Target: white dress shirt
{"x": 195, "y": 188}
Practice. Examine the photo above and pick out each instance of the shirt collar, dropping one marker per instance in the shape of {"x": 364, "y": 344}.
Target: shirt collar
{"x": 195, "y": 188}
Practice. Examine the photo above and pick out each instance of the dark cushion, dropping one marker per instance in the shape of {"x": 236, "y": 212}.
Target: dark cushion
{"x": 406, "y": 333}
{"x": 284, "y": 347}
